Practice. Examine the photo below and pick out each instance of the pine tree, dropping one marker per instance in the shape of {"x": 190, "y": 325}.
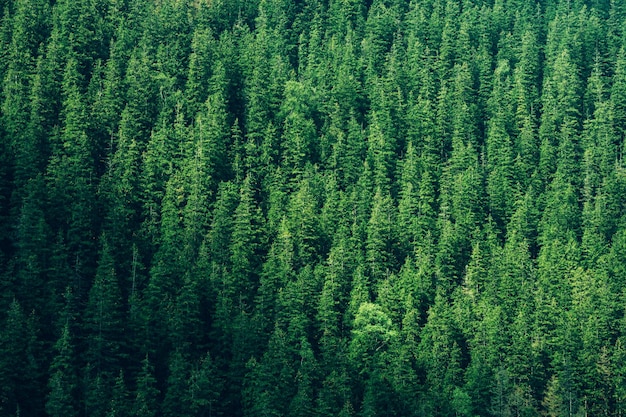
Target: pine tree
{"x": 268, "y": 385}
{"x": 33, "y": 252}
{"x": 598, "y": 141}
{"x": 141, "y": 97}
{"x": 63, "y": 383}
{"x": 461, "y": 210}
{"x": 171, "y": 26}
{"x": 203, "y": 47}
{"x": 107, "y": 98}
{"x": 552, "y": 401}
{"x": 20, "y": 371}
{"x": 145, "y": 401}
{"x": 618, "y": 94}
{"x": 96, "y": 392}
{"x": 78, "y": 26}
{"x": 380, "y": 152}
{"x": 380, "y": 27}
{"x": 185, "y": 316}
{"x": 159, "y": 161}
{"x": 245, "y": 246}
{"x": 30, "y": 26}
{"x": 118, "y": 406}
{"x": 204, "y": 387}
{"x": 175, "y": 402}
{"x": 560, "y": 111}
{"x": 105, "y": 317}
{"x": 219, "y": 235}
{"x": 302, "y": 403}
{"x": 333, "y": 297}
{"x": 380, "y": 255}
{"x": 303, "y": 214}
{"x": 267, "y": 66}
{"x": 348, "y": 149}
{"x": 618, "y": 376}
{"x": 299, "y": 129}
{"x": 277, "y": 272}
{"x": 499, "y": 149}
{"x": 168, "y": 269}
{"x": 439, "y": 356}
{"x": 408, "y": 231}
{"x": 72, "y": 179}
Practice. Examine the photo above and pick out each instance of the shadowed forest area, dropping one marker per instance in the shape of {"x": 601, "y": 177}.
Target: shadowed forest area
{"x": 249, "y": 208}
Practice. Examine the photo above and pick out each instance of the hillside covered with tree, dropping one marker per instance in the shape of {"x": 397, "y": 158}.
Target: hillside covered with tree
{"x": 312, "y": 208}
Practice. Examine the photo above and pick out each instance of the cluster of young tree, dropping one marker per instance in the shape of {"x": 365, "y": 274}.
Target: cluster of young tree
{"x": 312, "y": 208}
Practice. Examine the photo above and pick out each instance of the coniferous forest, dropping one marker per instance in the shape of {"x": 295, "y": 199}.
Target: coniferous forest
{"x": 312, "y": 208}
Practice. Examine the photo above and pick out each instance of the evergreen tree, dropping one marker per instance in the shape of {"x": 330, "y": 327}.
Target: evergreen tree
{"x": 204, "y": 387}
{"x": 408, "y": 220}
{"x": 145, "y": 401}
{"x": 20, "y": 372}
{"x": 334, "y": 208}
{"x": 302, "y": 403}
{"x": 379, "y": 243}
{"x": 72, "y": 180}
{"x": 96, "y": 392}
{"x": 618, "y": 93}
{"x": 299, "y": 129}
{"x": 200, "y": 60}
{"x": 560, "y": 111}
{"x": 118, "y": 406}
{"x": 30, "y": 27}
{"x": 175, "y": 402}
{"x": 33, "y": 253}
{"x": 245, "y": 246}
{"x": 105, "y": 318}
{"x": 63, "y": 383}
{"x": 499, "y": 150}
{"x": 439, "y": 357}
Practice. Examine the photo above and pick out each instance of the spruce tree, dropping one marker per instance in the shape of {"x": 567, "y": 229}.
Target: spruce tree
{"x": 63, "y": 382}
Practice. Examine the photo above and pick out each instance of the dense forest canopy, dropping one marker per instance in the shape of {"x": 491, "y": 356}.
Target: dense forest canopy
{"x": 312, "y": 208}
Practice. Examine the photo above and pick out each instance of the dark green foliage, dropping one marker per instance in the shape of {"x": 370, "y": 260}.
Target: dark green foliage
{"x": 204, "y": 388}
{"x": 20, "y": 369}
{"x": 119, "y": 404}
{"x": 144, "y": 403}
{"x": 105, "y": 316}
{"x": 313, "y": 208}
{"x": 63, "y": 383}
